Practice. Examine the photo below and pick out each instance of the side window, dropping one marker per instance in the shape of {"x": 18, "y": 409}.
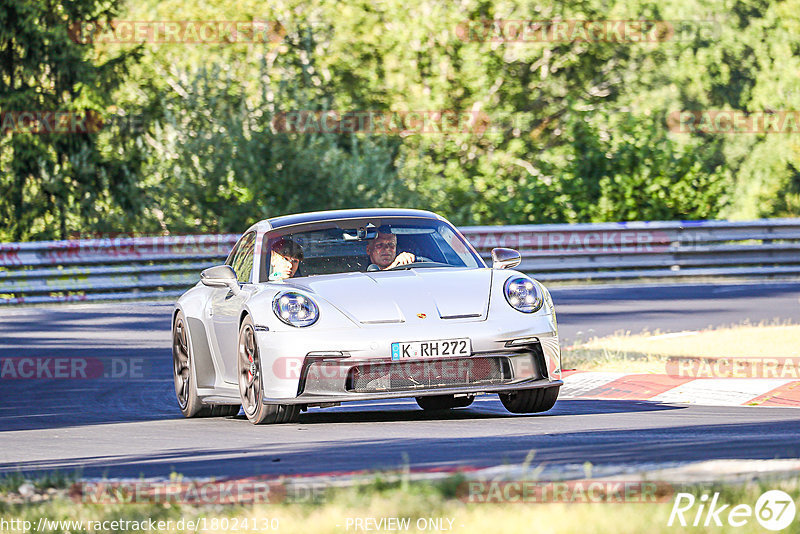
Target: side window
{"x": 242, "y": 257}
{"x": 232, "y": 253}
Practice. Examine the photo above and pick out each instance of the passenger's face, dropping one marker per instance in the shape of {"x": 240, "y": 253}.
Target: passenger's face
{"x": 285, "y": 266}
{"x": 382, "y": 250}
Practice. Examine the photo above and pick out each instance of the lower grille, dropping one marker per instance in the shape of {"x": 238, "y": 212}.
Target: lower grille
{"x": 404, "y": 376}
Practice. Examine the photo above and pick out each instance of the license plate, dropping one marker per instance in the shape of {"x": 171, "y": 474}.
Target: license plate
{"x": 431, "y": 349}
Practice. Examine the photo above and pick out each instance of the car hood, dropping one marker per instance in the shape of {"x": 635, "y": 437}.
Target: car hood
{"x": 398, "y": 296}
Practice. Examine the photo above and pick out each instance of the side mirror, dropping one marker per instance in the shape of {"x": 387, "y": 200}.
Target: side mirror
{"x": 505, "y": 258}
{"x": 221, "y": 276}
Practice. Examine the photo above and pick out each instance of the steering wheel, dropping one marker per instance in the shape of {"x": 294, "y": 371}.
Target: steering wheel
{"x": 418, "y": 259}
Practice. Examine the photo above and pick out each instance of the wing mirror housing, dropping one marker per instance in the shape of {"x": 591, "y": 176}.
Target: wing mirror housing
{"x": 221, "y": 276}
{"x": 505, "y": 258}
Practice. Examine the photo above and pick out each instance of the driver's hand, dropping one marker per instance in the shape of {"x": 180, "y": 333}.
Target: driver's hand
{"x": 404, "y": 258}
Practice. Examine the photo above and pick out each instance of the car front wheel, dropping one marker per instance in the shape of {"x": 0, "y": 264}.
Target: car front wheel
{"x": 530, "y": 400}
{"x": 251, "y": 383}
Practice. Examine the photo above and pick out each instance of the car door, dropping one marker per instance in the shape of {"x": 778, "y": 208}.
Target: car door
{"x": 225, "y": 307}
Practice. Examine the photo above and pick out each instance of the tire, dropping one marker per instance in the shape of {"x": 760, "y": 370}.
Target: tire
{"x": 251, "y": 383}
{"x": 185, "y": 388}
{"x": 444, "y": 402}
{"x": 530, "y": 400}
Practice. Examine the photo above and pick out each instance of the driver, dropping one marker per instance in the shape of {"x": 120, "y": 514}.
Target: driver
{"x": 382, "y": 252}
{"x": 285, "y": 258}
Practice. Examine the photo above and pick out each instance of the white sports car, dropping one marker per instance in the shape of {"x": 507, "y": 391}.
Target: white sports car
{"x": 316, "y": 309}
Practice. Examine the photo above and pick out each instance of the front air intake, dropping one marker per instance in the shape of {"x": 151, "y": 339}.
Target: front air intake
{"x": 427, "y": 374}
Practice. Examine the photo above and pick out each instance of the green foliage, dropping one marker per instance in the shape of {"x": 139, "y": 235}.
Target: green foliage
{"x": 221, "y": 160}
{"x": 578, "y": 131}
{"x": 58, "y": 182}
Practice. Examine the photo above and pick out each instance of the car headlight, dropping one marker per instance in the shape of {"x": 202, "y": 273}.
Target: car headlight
{"x": 295, "y": 309}
{"x": 523, "y": 294}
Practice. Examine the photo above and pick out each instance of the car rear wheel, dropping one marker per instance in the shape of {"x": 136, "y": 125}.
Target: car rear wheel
{"x": 185, "y": 388}
{"x": 444, "y": 402}
{"x": 530, "y": 400}
{"x": 251, "y": 383}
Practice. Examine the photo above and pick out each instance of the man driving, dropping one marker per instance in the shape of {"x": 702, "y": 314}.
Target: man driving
{"x": 285, "y": 258}
{"x": 382, "y": 252}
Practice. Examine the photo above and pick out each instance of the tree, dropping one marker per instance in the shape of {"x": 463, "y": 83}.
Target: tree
{"x": 54, "y": 183}
{"x": 221, "y": 159}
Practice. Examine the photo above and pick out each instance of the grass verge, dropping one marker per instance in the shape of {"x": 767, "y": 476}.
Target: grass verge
{"x": 426, "y": 506}
{"x": 648, "y": 352}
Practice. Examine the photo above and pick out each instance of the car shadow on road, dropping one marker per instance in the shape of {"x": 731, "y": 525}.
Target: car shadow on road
{"x": 89, "y": 403}
{"x": 286, "y": 451}
{"x": 481, "y": 409}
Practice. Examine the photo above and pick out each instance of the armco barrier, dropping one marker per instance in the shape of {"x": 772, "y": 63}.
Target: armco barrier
{"x": 102, "y": 269}
{"x": 147, "y": 267}
{"x": 671, "y": 249}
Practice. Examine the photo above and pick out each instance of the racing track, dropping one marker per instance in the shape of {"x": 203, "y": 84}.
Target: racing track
{"x": 131, "y": 426}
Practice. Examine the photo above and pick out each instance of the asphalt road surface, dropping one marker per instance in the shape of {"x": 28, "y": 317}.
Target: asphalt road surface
{"x": 125, "y": 422}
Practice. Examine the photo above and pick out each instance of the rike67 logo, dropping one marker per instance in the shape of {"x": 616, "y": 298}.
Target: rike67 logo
{"x": 774, "y": 510}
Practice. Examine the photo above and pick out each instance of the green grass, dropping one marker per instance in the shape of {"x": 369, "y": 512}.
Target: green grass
{"x": 55, "y": 480}
{"x": 648, "y": 352}
{"x": 392, "y": 496}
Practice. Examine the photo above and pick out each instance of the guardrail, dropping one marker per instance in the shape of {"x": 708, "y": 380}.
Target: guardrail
{"x": 147, "y": 267}
{"x": 661, "y": 249}
{"x": 110, "y": 268}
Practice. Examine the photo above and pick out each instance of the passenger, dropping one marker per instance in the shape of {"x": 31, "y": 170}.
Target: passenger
{"x": 382, "y": 253}
{"x": 285, "y": 259}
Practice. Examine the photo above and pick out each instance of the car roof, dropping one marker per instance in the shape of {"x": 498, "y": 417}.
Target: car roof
{"x": 319, "y": 216}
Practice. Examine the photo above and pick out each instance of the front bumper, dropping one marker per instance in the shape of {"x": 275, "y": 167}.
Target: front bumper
{"x": 302, "y": 367}
{"x": 314, "y": 399}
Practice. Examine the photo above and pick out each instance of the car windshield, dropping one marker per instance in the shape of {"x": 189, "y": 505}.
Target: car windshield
{"x": 366, "y": 245}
